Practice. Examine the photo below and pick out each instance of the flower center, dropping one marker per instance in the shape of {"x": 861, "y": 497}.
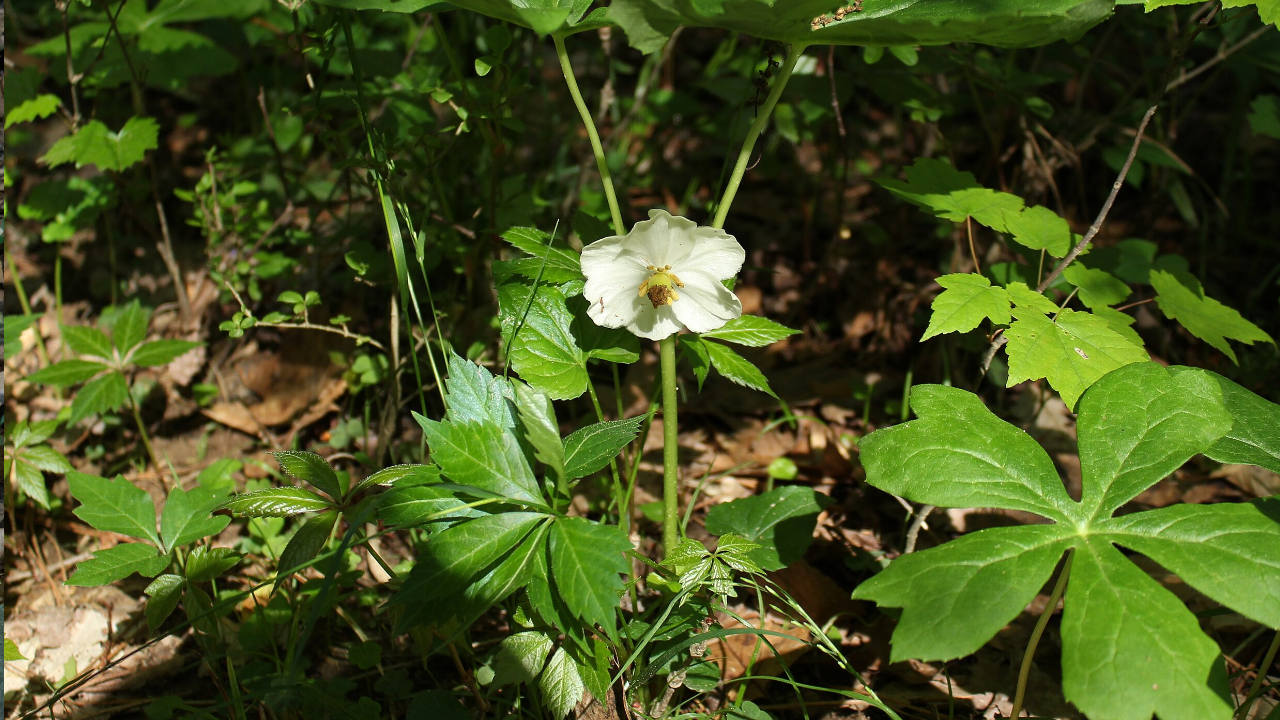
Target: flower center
{"x": 661, "y": 286}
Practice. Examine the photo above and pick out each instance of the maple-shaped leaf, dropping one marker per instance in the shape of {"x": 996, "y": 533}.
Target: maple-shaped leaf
{"x": 953, "y": 194}
{"x": 1072, "y": 352}
{"x": 1040, "y": 228}
{"x": 1203, "y": 316}
{"x": 1131, "y": 649}
{"x": 1098, "y": 288}
{"x": 968, "y": 299}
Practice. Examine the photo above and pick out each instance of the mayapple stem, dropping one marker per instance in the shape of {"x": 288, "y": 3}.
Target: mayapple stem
{"x": 596, "y": 146}
{"x": 753, "y": 134}
{"x": 670, "y": 448}
{"x": 1025, "y": 671}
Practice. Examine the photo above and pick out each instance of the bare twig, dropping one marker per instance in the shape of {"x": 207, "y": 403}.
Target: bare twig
{"x": 913, "y": 531}
{"x": 1223, "y": 54}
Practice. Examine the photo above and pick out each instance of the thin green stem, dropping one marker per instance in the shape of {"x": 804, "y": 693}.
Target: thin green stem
{"x": 670, "y": 449}
{"x": 590, "y": 124}
{"x": 146, "y": 440}
{"x": 753, "y": 134}
{"x": 26, "y": 304}
{"x": 1255, "y": 690}
{"x": 624, "y": 519}
{"x": 1025, "y": 671}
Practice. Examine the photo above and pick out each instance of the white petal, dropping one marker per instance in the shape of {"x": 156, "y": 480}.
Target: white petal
{"x": 654, "y": 324}
{"x": 705, "y": 304}
{"x": 612, "y": 289}
{"x": 715, "y": 252}
{"x": 602, "y": 251}
{"x": 663, "y": 239}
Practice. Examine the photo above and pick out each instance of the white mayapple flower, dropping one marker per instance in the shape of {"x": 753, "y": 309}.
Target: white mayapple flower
{"x": 663, "y": 275}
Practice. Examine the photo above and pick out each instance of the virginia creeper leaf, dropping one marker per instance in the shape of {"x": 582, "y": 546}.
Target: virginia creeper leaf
{"x": 117, "y": 563}
{"x": 781, "y": 521}
{"x": 591, "y": 448}
{"x": 587, "y": 561}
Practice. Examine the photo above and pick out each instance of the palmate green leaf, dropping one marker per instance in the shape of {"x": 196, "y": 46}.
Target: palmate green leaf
{"x": 752, "y": 331}
{"x": 313, "y": 469}
{"x": 414, "y": 505}
{"x": 163, "y": 595}
{"x": 105, "y": 394}
{"x": 43, "y": 457}
{"x": 117, "y": 563}
{"x": 541, "y": 430}
{"x": 968, "y": 299}
{"x": 591, "y": 448}
{"x": 186, "y": 518}
{"x": 992, "y": 575}
{"x": 483, "y": 456}
{"x": 66, "y": 373}
{"x": 161, "y": 352}
{"x": 1202, "y": 316}
{"x": 90, "y": 341}
{"x": 1072, "y": 353}
{"x": 96, "y": 144}
{"x": 130, "y": 327}
{"x": 1121, "y": 323}
{"x": 36, "y": 108}
{"x": 1098, "y": 288}
{"x": 737, "y": 368}
{"x": 276, "y": 502}
{"x": 116, "y": 506}
{"x": 454, "y": 560}
{"x": 561, "y": 685}
{"x": 539, "y": 339}
{"x": 1268, "y": 10}
{"x": 475, "y": 394}
{"x": 1254, "y": 438}
{"x": 525, "y": 562}
{"x": 1130, "y": 648}
{"x": 587, "y": 561}
{"x": 1017, "y": 23}
{"x": 953, "y": 194}
{"x": 521, "y": 658}
{"x": 29, "y": 479}
{"x": 206, "y": 563}
{"x": 305, "y": 544}
{"x": 1040, "y": 228}
{"x": 781, "y": 521}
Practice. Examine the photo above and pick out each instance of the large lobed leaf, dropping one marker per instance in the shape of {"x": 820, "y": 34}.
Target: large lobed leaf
{"x": 1016, "y": 23}
{"x": 1130, "y": 648}
{"x": 115, "y": 505}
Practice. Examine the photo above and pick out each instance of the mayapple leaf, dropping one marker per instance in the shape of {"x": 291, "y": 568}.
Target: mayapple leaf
{"x": 1072, "y": 352}
{"x": 992, "y": 575}
{"x": 312, "y": 468}
{"x": 186, "y": 518}
{"x": 537, "y": 331}
{"x": 587, "y": 561}
{"x": 1130, "y": 647}
{"x": 1203, "y": 316}
{"x": 737, "y": 368}
{"x": 781, "y": 521}
{"x": 968, "y": 299}
{"x": 95, "y": 144}
{"x": 116, "y": 506}
{"x": 1098, "y": 288}
{"x": 591, "y": 448}
{"x": 880, "y": 22}
{"x": 1254, "y": 438}
{"x": 481, "y": 455}
{"x": 1130, "y": 440}
{"x": 276, "y": 502}
{"x": 752, "y": 331}
{"x": 958, "y": 454}
{"x": 117, "y": 563}
{"x": 1268, "y": 10}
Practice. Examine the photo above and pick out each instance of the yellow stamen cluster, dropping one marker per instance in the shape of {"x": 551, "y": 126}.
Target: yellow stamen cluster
{"x": 661, "y": 286}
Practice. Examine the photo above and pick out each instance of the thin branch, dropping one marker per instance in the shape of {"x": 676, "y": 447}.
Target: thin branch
{"x": 1223, "y": 54}
{"x": 913, "y": 532}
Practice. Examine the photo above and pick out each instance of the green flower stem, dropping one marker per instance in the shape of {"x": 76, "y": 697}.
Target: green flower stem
{"x": 753, "y": 134}
{"x": 590, "y": 124}
{"x": 1025, "y": 671}
{"x": 670, "y": 449}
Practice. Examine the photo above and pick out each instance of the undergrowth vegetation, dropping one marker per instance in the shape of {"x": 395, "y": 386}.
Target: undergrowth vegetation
{"x": 729, "y": 359}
